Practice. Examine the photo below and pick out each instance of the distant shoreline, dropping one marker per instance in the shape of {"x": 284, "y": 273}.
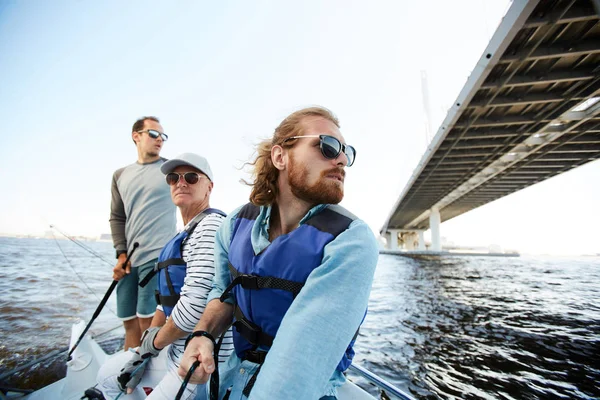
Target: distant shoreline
{"x": 100, "y": 238}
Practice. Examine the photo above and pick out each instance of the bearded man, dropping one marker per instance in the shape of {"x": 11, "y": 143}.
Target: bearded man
{"x": 293, "y": 270}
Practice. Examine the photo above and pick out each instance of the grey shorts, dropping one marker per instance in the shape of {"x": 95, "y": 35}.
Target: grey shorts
{"x": 133, "y": 300}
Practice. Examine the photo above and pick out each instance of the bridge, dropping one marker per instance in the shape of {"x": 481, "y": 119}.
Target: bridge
{"x": 529, "y": 111}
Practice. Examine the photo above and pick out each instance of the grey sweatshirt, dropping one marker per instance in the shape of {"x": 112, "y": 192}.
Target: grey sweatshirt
{"x": 141, "y": 211}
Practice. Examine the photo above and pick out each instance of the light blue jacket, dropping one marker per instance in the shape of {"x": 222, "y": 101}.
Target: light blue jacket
{"x": 321, "y": 321}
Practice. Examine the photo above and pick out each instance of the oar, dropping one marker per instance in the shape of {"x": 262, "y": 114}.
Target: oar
{"x": 102, "y": 303}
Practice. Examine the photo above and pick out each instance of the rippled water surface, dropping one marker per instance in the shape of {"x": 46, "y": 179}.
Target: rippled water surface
{"x": 45, "y": 287}
{"x": 456, "y": 327}
{"x": 483, "y": 327}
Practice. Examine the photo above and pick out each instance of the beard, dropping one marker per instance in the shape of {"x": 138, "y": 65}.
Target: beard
{"x": 152, "y": 152}
{"x": 324, "y": 191}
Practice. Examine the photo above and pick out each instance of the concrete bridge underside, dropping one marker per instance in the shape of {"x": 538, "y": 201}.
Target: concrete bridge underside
{"x": 528, "y": 112}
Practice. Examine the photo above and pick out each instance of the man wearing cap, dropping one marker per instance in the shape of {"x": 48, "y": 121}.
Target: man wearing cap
{"x": 185, "y": 271}
{"x": 141, "y": 211}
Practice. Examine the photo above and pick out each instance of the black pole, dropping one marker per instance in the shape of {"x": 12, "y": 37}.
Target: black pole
{"x": 102, "y": 303}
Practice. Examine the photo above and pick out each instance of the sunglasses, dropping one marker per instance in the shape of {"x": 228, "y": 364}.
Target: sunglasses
{"x": 154, "y": 134}
{"x": 331, "y": 147}
{"x": 190, "y": 177}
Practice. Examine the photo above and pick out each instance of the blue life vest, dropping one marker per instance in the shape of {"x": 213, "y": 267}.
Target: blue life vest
{"x": 171, "y": 267}
{"x": 266, "y": 284}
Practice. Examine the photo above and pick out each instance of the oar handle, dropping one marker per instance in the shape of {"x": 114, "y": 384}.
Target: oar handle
{"x": 102, "y": 303}
{"x": 135, "y": 246}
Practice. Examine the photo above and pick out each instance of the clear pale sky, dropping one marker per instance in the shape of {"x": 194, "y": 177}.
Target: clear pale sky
{"x": 74, "y": 76}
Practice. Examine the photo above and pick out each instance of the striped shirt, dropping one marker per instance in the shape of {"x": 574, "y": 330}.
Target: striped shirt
{"x": 198, "y": 252}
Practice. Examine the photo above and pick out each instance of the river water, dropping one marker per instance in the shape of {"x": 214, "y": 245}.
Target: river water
{"x": 456, "y": 327}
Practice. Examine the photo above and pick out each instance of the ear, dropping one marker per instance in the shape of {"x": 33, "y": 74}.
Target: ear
{"x": 210, "y": 187}
{"x": 279, "y": 157}
{"x": 135, "y": 136}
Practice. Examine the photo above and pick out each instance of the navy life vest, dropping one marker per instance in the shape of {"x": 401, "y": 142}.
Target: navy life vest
{"x": 266, "y": 284}
{"x": 171, "y": 267}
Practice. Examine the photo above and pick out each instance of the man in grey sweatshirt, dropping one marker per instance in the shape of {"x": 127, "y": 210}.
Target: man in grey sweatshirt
{"x": 141, "y": 211}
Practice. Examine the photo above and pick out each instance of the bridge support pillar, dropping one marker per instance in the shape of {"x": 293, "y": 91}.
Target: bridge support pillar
{"x": 401, "y": 239}
{"x": 409, "y": 239}
{"x": 434, "y": 224}
{"x": 393, "y": 239}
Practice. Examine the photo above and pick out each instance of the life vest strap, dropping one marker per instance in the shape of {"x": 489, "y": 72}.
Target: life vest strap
{"x": 166, "y": 263}
{"x": 255, "y": 282}
{"x": 148, "y": 277}
{"x": 158, "y": 266}
{"x": 166, "y": 301}
{"x": 250, "y": 331}
{"x": 257, "y": 357}
{"x": 251, "y": 382}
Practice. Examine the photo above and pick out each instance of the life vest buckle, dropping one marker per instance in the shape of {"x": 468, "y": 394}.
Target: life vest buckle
{"x": 256, "y": 357}
{"x": 249, "y": 281}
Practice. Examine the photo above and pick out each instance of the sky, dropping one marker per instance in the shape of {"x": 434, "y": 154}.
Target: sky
{"x": 75, "y": 75}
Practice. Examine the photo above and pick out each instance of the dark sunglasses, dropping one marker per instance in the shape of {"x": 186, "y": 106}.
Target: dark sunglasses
{"x": 331, "y": 147}
{"x": 154, "y": 134}
{"x": 190, "y": 177}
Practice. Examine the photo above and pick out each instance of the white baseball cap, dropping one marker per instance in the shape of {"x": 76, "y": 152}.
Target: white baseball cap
{"x": 191, "y": 159}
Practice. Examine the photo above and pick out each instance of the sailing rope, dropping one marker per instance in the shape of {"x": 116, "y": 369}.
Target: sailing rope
{"x": 76, "y": 274}
{"x": 78, "y": 243}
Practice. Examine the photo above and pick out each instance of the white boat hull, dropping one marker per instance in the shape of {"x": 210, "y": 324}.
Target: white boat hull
{"x": 81, "y": 370}
{"x": 89, "y": 356}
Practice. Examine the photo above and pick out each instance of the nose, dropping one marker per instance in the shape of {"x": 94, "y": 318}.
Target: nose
{"x": 181, "y": 182}
{"x": 342, "y": 158}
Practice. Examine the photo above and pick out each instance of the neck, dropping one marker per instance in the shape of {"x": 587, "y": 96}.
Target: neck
{"x": 145, "y": 158}
{"x": 286, "y": 213}
{"x": 188, "y": 213}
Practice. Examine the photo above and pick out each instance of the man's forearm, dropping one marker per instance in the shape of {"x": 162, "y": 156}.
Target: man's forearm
{"x": 168, "y": 333}
{"x": 159, "y": 318}
{"x": 216, "y": 318}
